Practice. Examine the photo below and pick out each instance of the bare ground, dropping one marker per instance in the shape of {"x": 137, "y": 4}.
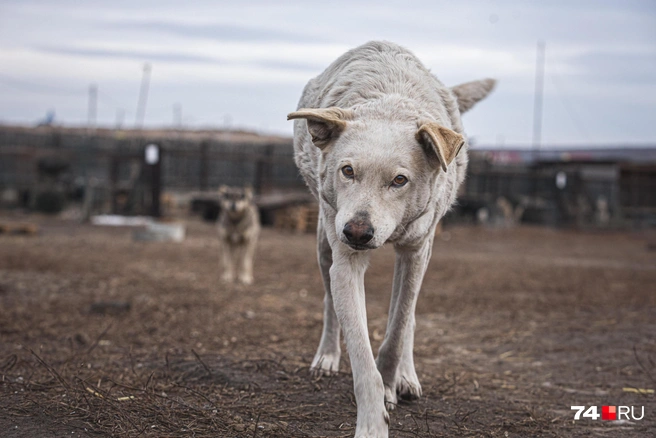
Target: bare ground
{"x": 513, "y": 328}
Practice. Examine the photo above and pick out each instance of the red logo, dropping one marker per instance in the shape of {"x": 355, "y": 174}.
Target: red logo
{"x": 608, "y": 413}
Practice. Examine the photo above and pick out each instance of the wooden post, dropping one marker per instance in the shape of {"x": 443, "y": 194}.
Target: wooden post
{"x": 153, "y": 159}
{"x": 263, "y": 169}
{"x": 113, "y": 178}
{"x": 204, "y": 165}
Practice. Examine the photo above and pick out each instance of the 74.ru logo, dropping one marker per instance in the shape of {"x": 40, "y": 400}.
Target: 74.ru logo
{"x": 609, "y": 413}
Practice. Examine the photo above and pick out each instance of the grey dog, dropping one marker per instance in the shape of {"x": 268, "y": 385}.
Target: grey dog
{"x": 239, "y": 229}
{"x": 379, "y": 142}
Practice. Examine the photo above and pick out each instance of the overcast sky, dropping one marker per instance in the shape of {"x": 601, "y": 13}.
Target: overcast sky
{"x": 244, "y": 64}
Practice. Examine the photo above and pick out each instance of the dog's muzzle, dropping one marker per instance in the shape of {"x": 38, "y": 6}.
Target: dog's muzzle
{"x": 358, "y": 233}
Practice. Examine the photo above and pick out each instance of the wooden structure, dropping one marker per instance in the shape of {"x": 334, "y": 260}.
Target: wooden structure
{"x": 29, "y": 229}
{"x": 298, "y": 219}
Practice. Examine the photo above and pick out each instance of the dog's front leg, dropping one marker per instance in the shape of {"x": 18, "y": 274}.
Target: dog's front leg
{"x": 395, "y": 360}
{"x": 246, "y": 262}
{"x": 347, "y": 284}
{"x": 227, "y": 262}
{"x": 326, "y": 360}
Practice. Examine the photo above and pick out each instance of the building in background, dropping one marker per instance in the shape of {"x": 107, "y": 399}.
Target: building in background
{"x": 582, "y": 187}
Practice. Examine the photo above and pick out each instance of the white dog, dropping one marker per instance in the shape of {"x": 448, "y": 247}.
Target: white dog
{"x": 379, "y": 141}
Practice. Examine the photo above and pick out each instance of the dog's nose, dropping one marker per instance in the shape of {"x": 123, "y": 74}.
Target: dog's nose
{"x": 358, "y": 232}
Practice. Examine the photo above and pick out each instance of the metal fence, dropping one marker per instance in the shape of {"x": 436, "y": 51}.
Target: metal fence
{"x": 564, "y": 193}
{"x": 196, "y": 164}
{"x": 595, "y": 192}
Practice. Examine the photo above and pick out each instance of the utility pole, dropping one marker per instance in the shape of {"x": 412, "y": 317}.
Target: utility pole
{"x": 537, "y": 104}
{"x": 93, "y": 106}
{"x": 177, "y": 115}
{"x": 143, "y": 97}
{"x": 120, "y": 116}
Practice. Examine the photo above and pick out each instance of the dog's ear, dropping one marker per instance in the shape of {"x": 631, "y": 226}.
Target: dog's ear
{"x": 469, "y": 93}
{"x": 440, "y": 141}
{"x": 324, "y": 124}
{"x": 248, "y": 192}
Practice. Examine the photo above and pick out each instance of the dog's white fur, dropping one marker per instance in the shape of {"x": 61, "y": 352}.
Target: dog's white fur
{"x": 374, "y": 114}
{"x": 239, "y": 229}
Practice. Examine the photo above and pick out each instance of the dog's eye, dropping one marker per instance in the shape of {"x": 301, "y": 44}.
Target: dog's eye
{"x": 399, "y": 181}
{"x": 347, "y": 171}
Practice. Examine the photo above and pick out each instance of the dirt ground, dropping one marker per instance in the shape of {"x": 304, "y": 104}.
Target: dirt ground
{"x": 513, "y": 328}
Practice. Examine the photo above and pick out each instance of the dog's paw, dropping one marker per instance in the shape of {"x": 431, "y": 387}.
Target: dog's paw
{"x": 325, "y": 364}
{"x": 390, "y": 398}
{"x": 227, "y": 277}
{"x": 373, "y": 429}
{"x": 407, "y": 386}
{"x": 246, "y": 279}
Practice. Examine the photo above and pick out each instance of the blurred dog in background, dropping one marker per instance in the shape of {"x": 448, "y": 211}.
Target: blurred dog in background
{"x": 239, "y": 229}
